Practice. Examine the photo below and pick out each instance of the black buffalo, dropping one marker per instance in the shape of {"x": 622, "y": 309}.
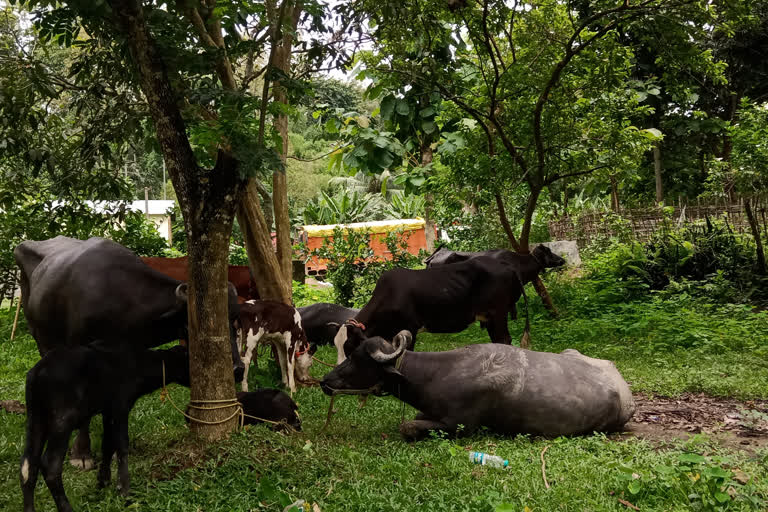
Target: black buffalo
{"x": 442, "y": 299}
{"x": 321, "y": 321}
{"x": 528, "y": 265}
{"x": 78, "y": 291}
{"x": 504, "y": 388}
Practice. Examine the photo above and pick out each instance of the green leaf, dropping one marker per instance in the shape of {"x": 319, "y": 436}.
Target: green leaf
{"x": 387, "y": 107}
{"x": 505, "y": 507}
{"x": 417, "y": 181}
{"x": 428, "y": 126}
{"x": 403, "y": 108}
{"x": 383, "y": 159}
{"x": 722, "y": 497}
{"x": 693, "y": 458}
{"x": 427, "y": 112}
{"x": 330, "y": 126}
{"x": 634, "y": 487}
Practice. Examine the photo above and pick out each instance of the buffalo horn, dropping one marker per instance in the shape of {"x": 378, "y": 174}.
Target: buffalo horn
{"x": 181, "y": 292}
{"x": 401, "y": 341}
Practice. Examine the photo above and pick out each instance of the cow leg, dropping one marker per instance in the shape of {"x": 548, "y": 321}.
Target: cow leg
{"x": 80, "y": 456}
{"x": 290, "y": 360}
{"x": 251, "y": 341}
{"x": 30, "y": 461}
{"x": 420, "y": 428}
{"x": 108, "y": 444}
{"x": 52, "y": 462}
{"x": 282, "y": 360}
{"x": 498, "y": 330}
{"x": 121, "y": 437}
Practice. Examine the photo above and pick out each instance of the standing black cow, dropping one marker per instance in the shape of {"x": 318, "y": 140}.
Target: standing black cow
{"x": 322, "y": 321}
{"x": 78, "y": 291}
{"x": 446, "y": 298}
{"x": 528, "y": 265}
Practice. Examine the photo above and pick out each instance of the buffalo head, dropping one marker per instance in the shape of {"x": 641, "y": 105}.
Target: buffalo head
{"x": 364, "y": 371}
{"x": 546, "y": 257}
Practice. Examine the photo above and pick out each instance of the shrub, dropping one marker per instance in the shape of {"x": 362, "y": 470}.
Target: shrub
{"x": 354, "y": 269}
{"x": 705, "y": 259}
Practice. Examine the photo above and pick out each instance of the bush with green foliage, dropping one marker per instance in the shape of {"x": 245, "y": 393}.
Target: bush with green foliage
{"x": 705, "y": 259}
{"x": 354, "y": 269}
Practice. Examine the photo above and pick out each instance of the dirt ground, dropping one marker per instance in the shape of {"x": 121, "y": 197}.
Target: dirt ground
{"x": 733, "y": 423}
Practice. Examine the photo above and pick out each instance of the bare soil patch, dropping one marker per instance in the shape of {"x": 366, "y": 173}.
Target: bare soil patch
{"x": 731, "y": 422}
{"x": 13, "y": 406}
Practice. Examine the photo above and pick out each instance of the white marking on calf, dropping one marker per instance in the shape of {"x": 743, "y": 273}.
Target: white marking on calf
{"x": 25, "y": 470}
{"x": 297, "y": 317}
{"x": 251, "y": 341}
{"x": 339, "y": 340}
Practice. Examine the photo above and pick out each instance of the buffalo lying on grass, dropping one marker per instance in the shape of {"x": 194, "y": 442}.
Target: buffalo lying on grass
{"x": 504, "y": 388}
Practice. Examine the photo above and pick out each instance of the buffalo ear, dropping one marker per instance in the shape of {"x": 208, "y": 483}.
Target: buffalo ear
{"x": 181, "y": 292}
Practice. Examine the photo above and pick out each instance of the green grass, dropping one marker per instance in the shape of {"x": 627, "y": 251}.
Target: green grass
{"x": 360, "y": 462}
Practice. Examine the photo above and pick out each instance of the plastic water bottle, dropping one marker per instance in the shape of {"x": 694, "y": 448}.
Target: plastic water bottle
{"x": 484, "y": 459}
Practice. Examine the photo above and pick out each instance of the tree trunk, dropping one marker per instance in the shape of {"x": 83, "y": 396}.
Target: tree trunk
{"x": 258, "y": 244}
{"x": 266, "y": 203}
{"x": 430, "y": 229}
{"x": 429, "y": 222}
{"x": 210, "y": 374}
{"x": 282, "y": 46}
{"x": 614, "y": 194}
{"x": 657, "y": 172}
{"x": 207, "y": 199}
{"x": 756, "y": 234}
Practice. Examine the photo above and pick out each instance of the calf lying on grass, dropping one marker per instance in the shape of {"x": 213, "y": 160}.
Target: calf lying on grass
{"x": 67, "y": 387}
{"x": 502, "y": 387}
{"x": 269, "y": 404}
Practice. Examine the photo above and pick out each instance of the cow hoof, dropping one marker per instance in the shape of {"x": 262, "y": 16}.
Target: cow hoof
{"x": 83, "y": 463}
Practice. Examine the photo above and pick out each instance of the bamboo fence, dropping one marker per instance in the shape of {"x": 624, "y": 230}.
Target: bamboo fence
{"x": 640, "y": 223}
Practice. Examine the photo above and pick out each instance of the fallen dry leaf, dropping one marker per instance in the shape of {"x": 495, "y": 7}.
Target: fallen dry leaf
{"x": 740, "y": 476}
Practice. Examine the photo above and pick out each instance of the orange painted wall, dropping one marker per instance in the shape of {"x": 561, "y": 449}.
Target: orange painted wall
{"x": 416, "y": 242}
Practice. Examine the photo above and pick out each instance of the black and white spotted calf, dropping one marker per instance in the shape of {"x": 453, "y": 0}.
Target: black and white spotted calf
{"x": 279, "y": 324}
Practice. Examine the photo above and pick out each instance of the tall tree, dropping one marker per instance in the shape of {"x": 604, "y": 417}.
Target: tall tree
{"x": 183, "y": 58}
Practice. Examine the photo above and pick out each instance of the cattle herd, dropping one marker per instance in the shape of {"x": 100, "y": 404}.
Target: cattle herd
{"x": 96, "y": 311}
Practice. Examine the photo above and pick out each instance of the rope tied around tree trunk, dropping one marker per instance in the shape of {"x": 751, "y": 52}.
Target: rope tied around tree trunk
{"x": 202, "y": 405}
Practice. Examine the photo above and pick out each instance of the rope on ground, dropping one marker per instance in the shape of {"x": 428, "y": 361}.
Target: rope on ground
{"x": 543, "y": 467}
{"x": 322, "y": 362}
{"x": 221, "y": 404}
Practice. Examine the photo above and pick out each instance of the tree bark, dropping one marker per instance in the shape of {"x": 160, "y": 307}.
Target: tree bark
{"x": 258, "y": 245}
{"x": 427, "y": 155}
{"x": 657, "y": 172}
{"x": 614, "y": 194}
{"x": 207, "y": 198}
{"x": 756, "y": 234}
{"x": 287, "y": 21}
